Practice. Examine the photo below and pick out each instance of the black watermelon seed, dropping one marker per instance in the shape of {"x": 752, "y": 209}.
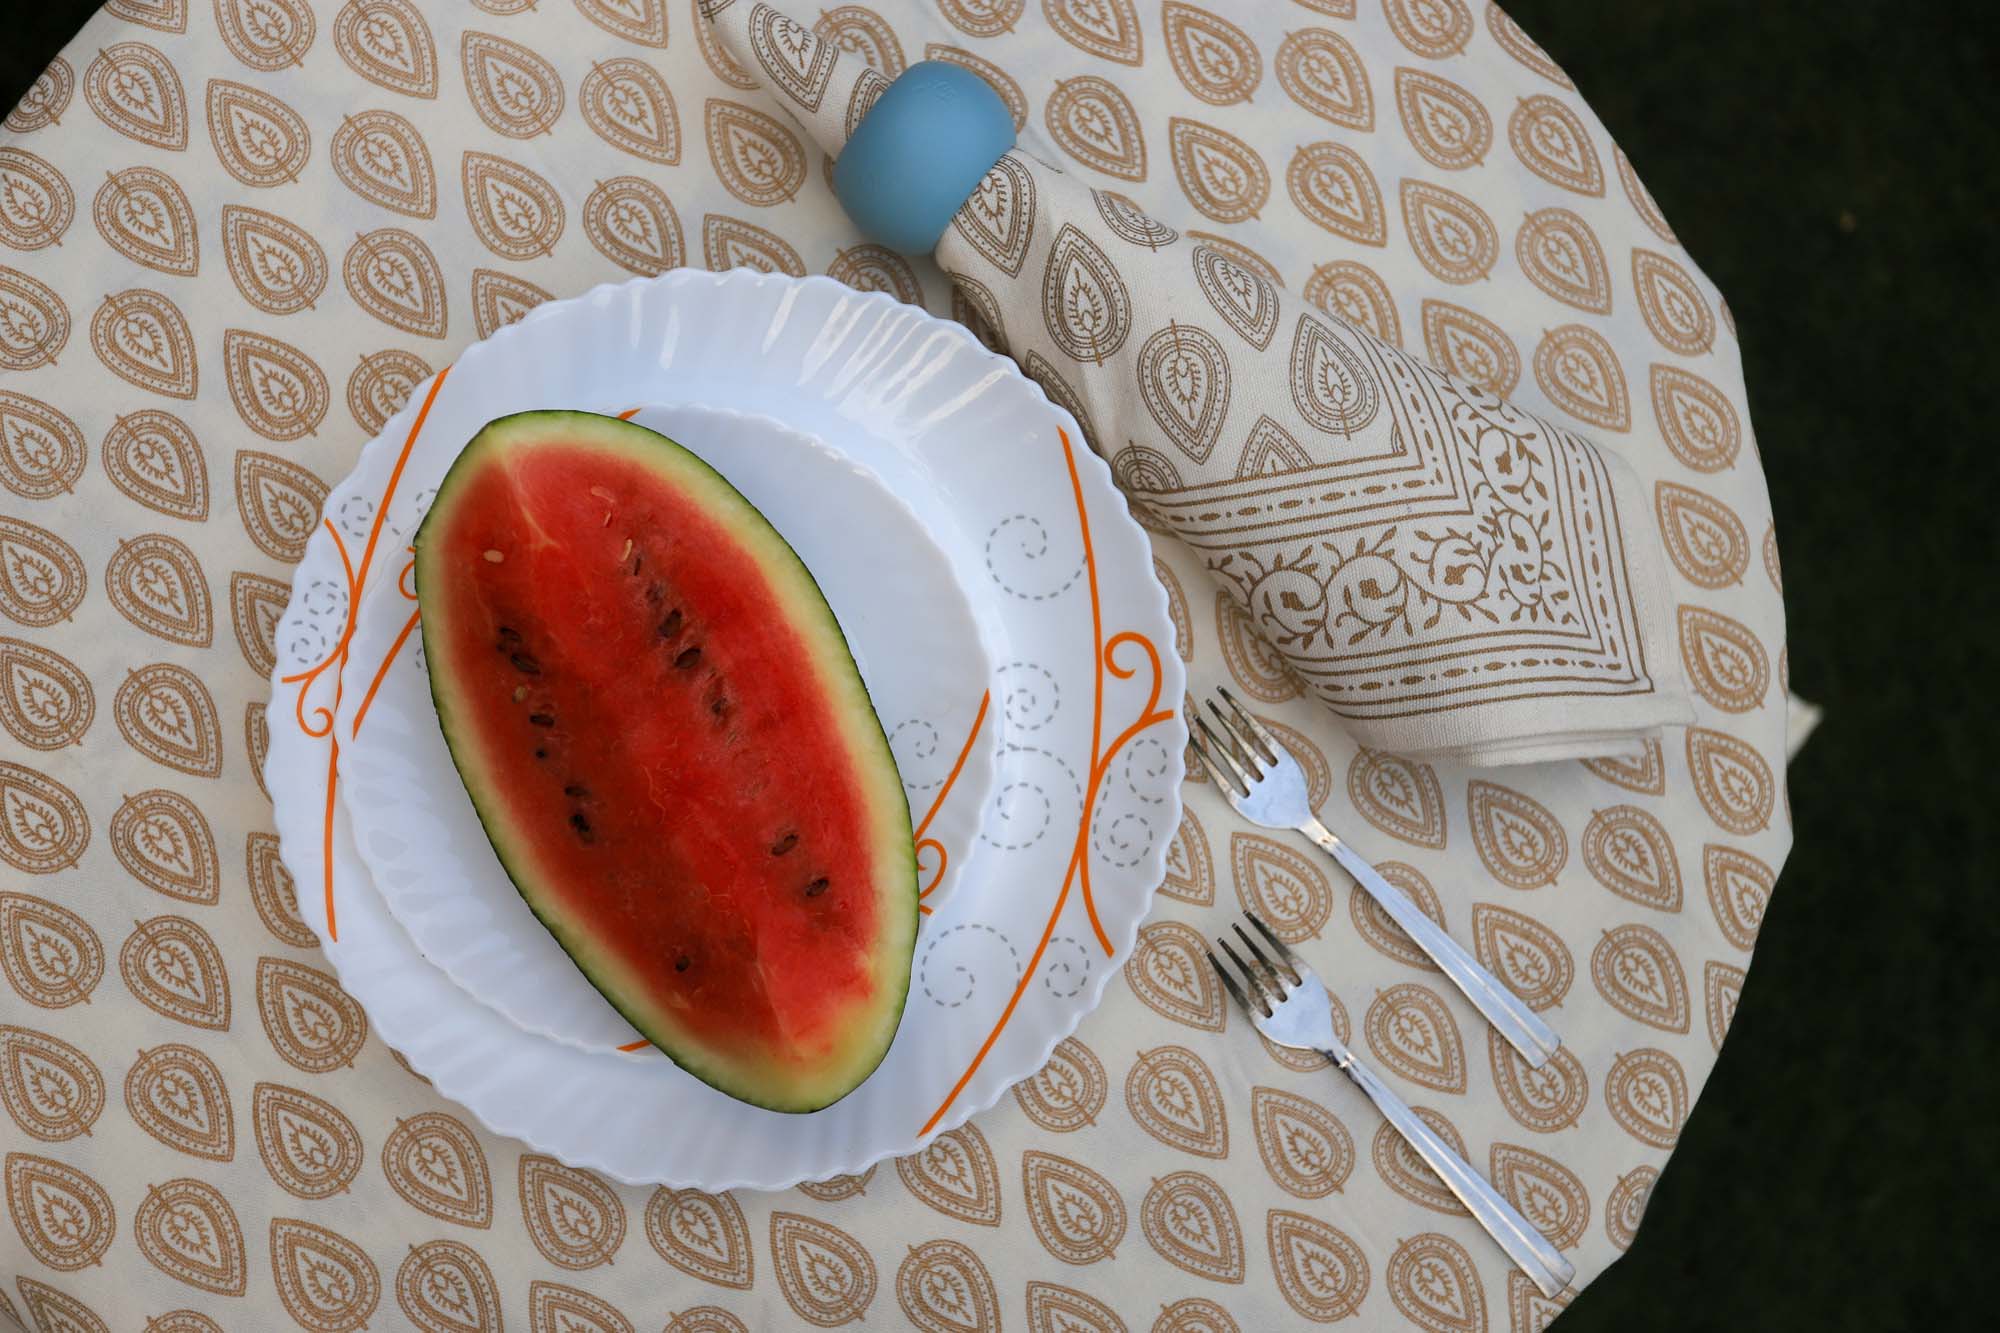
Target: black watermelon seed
{"x": 524, "y": 663}
{"x": 541, "y": 753}
{"x": 654, "y": 592}
{"x": 581, "y": 825}
{"x": 541, "y": 719}
{"x": 687, "y": 658}
{"x": 671, "y": 625}
{"x": 817, "y": 887}
{"x": 508, "y": 634}
{"x": 784, "y": 844}
{"x": 636, "y": 560}
{"x": 681, "y": 963}
{"x": 576, "y": 789}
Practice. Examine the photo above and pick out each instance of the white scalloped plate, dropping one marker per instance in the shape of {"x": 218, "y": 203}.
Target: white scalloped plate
{"x": 908, "y": 622}
{"x": 1084, "y": 705}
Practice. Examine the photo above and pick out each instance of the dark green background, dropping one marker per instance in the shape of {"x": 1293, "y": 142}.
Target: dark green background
{"x": 1832, "y": 167}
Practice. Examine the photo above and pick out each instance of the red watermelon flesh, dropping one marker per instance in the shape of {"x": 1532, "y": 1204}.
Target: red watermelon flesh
{"x": 662, "y": 728}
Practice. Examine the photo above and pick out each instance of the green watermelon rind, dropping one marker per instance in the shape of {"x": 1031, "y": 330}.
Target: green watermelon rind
{"x": 592, "y": 428}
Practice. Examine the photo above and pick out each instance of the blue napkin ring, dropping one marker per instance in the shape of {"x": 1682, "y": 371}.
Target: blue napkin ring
{"x": 919, "y": 153}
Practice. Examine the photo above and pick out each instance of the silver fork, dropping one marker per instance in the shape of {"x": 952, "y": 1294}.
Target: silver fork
{"x": 1266, "y": 785}
{"x": 1287, "y": 1003}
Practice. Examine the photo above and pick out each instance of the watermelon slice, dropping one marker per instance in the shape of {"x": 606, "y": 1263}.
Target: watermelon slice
{"x": 664, "y": 733}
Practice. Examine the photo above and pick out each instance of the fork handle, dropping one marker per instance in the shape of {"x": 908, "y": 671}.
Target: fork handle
{"x": 1525, "y": 1245}
{"x": 1510, "y": 1017}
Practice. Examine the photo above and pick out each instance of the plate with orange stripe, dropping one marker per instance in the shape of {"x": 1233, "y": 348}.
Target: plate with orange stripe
{"x": 1012, "y": 634}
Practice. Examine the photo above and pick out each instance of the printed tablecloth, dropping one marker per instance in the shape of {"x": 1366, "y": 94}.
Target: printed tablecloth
{"x": 233, "y": 236}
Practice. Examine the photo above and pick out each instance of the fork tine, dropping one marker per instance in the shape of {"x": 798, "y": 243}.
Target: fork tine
{"x": 1284, "y": 950}
{"x": 1265, "y": 998}
{"x": 1229, "y": 983}
{"x": 1251, "y": 728}
{"x": 1237, "y": 749}
{"x": 1242, "y": 779}
{"x": 1277, "y": 982}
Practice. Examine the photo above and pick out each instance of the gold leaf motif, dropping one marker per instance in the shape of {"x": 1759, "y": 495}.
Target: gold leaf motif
{"x": 498, "y": 299}
{"x": 255, "y": 604}
{"x": 308, "y": 1146}
{"x": 46, "y": 703}
{"x": 1407, "y": 1174}
{"x": 1722, "y": 987}
{"x": 1433, "y": 1282}
{"x": 51, "y": 1088}
{"x": 1221, "y": 175}
{"x": 1246, "y": 300}
{"x": 172, "y": 966}
{"x": 1699, "y": 424}
{"x": 1529, "y": 957}
{"x": 279, "y": 503}
{"x": 1771, "y": 565}
{"x": 63, "y": 1216}
{"x": 1434, "y": 28}
{"x": 279, "y": 391}
{"x": 163, "y": 842}
{"x": 642, "y": 22}
{"x": 1168, "y": 972}
{"x": 45, "y": 100}
{"x": 167, "y": 714}
{"x": 1546, "y": 1099}
{"x": 1320, "y": 71}
{"x": 36, "y": 202}
{"x": 434, "y": 1162}
{"x": 381, "y": 157}
{"x": 1189, "y": 1222}
{"x": 1627, "y": 1205}
{"x": 1333, "y": 187}
{"x": 630, "y": 107}
{"x": 1331, "y": 387}
{"x": 34, "y": 322}
{"x": 52, "y": 956}
{"x": 1085, "y": 304}
{"x": 134, "y": 90}
{"x": 1732, "y": 781}
{"x": 999, "y": 218}
{"x": 1067, "y": 1093}
{"x": 445, "y": 1287}
{"x": 555, "y": 1308}
{"x": 983, "y": 18}
{"x": 728, "y": 243}
{"x": 1094, "y": 123}
{"x": 998, "y": 79}
{"x": 1560, "y": 254}
{"x": 275, "y": 895}
{"x": 954, "y": 1173}
{"x": 1673, "y": 307}
{"x": 1471, "y": 347}
{"x": 720, "y": 60}
{"x": 702, "y": 1234}
{"x": 573, "y": 1217}
{"x": 1519, "y": 841}
{"x": 1551, "y": 141}
{"x": 176, "y": 1094}
{"x": 757, "y": 159}
{"x": 1107, "y": 28}
{"x": 944, "y": 1288}
{"x": 1724, "y": 661}
{"x": 1356, "y": 293}
{"x": 41, "y": 450}
{"x": 634, "y": 225}
{"x": 516, "y": 214}
{"x": 1648, "y": 1096}
{"x": 1213, "y": 58}
{"x": 1054, "y": 1308}
{"x": 388, "y": 42}
{"x": 1175, "y": 1098}
{"x": 393, "y": 275}
{"x": 1413, "y": 1033}
{"x": 1522, "y": 47}
{"x": 1631, "y": 853}
{"x": 153, "y": 457}
{"x": 1321, "y": 1272}
{"x": 1642, "y": 198}
{"x": 1195, "y": 1314}
{"x": 1451, "y": 234}
{"x": 1275, "y": 882}
{"x": 860, "y": 31}
{"x": 514, "y": 91}
{"x": 144, "y": 215}
{"x": 266, "y": 35}
{"x": 1399, "y": 796}
{"x": 1308, "y": 1152}
{"x": 189, "y": 1231}
{"x": 1543, "y": 1190}
{"x": 826, "y": 1276}
{"x": 260, "y": 140}
{"x": 1636, "y": 970}
{"x": 55, "y": 1311}
{"x": 1739, "y": 891}
{"x": 382, "y": 384}
{"x": 1703, "y": 536}
{"x": 1380, "y": 930}
{"x": 142, "y": 337}
{"x": 1578, "y": 371}
{"x": 1646, "y": 773}
{"x": 43, "y": 827}
{"x": 314, "y": 1024}
{"x": 257, "y": 740}
{"x": 328, "y": 1283}
{"x": 1447, "y": 125}
{"x": 1076, "y": 1213}
{"x": 1184, "y": 382}
{"x": 835, "y": 1188}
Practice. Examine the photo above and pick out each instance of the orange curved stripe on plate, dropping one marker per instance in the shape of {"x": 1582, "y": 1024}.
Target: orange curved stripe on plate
{"x": 1100, "y": 764}
{"x": 964, "y": 753}
{"x": 635, "y": 1045}
{"x": 361, "y": 713}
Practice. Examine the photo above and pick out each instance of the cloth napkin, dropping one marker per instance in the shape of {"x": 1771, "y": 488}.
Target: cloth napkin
{"x": 1450, "y": 575}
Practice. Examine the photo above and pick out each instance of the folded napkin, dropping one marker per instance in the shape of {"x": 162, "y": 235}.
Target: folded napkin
{"x": 1452, "y": 576}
